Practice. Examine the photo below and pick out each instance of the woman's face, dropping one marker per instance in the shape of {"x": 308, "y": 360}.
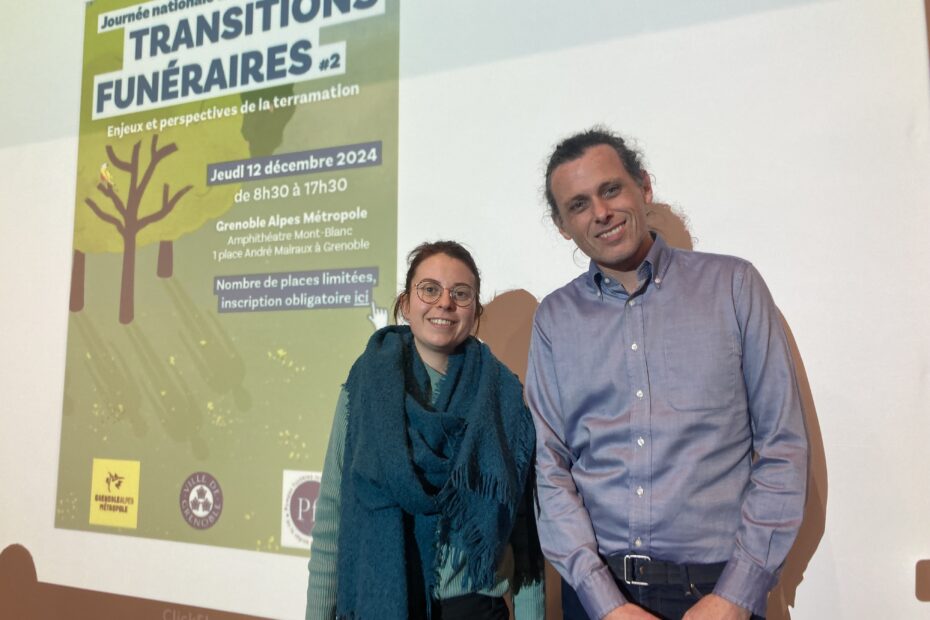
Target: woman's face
{"x": 439, "y": 327}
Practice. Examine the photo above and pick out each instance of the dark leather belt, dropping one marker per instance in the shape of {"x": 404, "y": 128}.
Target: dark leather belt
{"x": 641, "y": 570}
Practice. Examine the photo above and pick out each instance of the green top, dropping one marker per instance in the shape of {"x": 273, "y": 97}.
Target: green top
{"x": 529, "y": 602}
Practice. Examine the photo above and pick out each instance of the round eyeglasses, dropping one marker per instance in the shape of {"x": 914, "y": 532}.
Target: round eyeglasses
{"x": 429, "y": 292}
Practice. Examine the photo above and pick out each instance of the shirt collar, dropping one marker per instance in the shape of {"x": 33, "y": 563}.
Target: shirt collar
{"x": 654, "y": 266}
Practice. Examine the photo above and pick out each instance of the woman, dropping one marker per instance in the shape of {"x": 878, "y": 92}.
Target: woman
{"x": 425, "y": 506}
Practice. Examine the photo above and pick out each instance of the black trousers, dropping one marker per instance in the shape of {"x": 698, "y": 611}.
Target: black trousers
{"x": 669, "y": 602}
{"x": 472, "y": 607}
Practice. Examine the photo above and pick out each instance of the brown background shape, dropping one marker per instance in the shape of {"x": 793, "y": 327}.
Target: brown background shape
{"x": 922, "y": 582}
{"x": 23, "y": 597}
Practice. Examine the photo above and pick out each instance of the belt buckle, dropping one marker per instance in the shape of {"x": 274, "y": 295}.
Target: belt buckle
{"x": 628, "y": 568}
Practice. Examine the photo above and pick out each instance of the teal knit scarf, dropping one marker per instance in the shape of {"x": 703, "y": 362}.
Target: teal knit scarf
{"x": 418, "y": 476}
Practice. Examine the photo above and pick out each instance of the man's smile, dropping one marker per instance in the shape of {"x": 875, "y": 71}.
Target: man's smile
{"x": 611, "y": 233}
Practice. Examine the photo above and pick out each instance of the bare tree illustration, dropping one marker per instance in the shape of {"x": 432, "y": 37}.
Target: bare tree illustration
{"x": 128, "y": 220}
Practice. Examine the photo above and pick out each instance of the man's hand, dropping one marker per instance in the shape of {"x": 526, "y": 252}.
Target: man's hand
{"x": 629, "y": 611}
{"x": 713, "y": 607}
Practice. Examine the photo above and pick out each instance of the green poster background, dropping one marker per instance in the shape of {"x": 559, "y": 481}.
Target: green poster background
{"x": 174, "y": 383}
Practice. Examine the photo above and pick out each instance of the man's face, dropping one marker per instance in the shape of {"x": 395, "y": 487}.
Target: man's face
{"x": 603, "y": 209}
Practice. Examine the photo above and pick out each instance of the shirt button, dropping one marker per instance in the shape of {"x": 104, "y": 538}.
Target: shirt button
{"x": 658, "y": 280}
{"x": 632, "y": 302}
{"x": 635, "y": 347}
{"x": 638, "y": 542}
{"x": 639, "y": 393}
{"x": 640, "y": 491}
{"x": 640, "y": 442}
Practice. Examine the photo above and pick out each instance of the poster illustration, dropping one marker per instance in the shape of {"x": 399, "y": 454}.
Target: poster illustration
{"x": 234, "y": 248}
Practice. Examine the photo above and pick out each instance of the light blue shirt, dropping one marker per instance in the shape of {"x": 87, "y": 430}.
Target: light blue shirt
{"x": 648, "y": 407}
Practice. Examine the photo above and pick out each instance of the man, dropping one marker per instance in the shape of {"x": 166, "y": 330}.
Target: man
{"x": 671, "y": 452}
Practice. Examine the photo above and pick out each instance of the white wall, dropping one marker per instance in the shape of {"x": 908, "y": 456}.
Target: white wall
{"x": 794, "y": 134}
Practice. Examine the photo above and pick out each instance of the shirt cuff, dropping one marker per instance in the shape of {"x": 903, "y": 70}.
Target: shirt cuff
{"x": 599, "y": 594}
{"x": 745, "y": 584}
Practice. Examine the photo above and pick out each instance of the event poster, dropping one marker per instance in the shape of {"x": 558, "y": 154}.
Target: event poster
{"x": 234, "y": 248}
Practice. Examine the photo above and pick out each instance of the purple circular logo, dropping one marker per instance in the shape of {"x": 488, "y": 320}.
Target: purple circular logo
{"x": 201, "y": 500}
{"x": 302, "y": 505}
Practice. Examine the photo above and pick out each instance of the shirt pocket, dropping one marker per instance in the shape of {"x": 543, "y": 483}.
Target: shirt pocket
{"x": 703, "y": 366}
